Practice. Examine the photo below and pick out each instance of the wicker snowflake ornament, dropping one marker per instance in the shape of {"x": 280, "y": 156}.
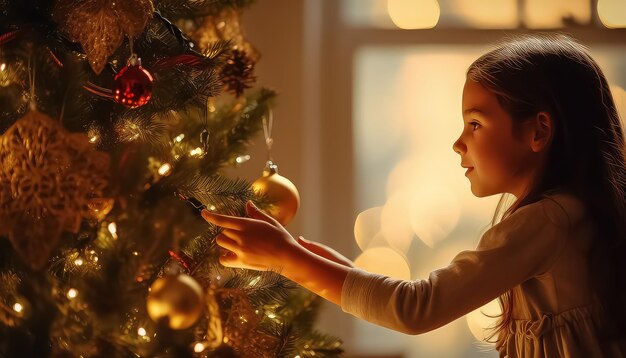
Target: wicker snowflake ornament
{"x": 48, "y": 178}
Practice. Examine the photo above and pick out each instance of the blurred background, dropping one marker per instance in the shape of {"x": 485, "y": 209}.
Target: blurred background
{"x": 369, "y": 106}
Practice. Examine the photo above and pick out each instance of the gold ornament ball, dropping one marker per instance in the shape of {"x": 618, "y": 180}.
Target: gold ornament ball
{"x": 177, "y": 297}
{"x": 281, "y": 193}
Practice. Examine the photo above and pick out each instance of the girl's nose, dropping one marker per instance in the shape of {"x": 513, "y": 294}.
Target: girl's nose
{"x": 458, "y": 146}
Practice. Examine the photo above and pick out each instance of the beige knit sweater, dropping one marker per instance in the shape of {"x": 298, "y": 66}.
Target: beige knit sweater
{"x": 539, "y": 253}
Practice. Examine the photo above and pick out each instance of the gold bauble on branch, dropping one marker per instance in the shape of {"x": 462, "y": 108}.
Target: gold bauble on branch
{"x": 177, "y": 297}
{"x": 281, "y": 193}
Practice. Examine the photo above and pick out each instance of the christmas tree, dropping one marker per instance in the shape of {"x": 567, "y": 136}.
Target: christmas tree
{"x": 116, "y": 121}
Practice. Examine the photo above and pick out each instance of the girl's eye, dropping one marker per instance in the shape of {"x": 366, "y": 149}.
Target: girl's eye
{"x": 474, "y": 125}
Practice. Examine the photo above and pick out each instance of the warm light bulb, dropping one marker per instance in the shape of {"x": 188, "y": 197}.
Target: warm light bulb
{"x": 17, "y": 307}
{"x": 165, "y": 169}
{"x": 113, "y": 229}
{"x": 141, "y": 331}
{"x": 199, "y": 347}
{"x": 179, "y": 138}
{"x": 72, "y": 293}
{"x": 78, "y": 262}
{"x": 196, "y": 152}
{"x": 3, "y": 67}
{"x": 242, "y": 159}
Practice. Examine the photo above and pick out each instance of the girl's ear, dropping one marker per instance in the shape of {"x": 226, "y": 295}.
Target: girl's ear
{"x": 542, "y": 131}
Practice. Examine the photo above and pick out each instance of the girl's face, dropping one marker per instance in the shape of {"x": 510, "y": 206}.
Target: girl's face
{"x": 497, "y": 161}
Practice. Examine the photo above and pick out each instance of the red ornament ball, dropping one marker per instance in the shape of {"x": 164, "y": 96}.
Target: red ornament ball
{"x": 133, "y": 86}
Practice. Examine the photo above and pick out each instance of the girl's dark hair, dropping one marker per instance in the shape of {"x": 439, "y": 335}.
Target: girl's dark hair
{"x": 587, "y": 156}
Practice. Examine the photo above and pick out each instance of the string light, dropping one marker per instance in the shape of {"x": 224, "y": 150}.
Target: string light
{"x": 165, "y": 169}
{"x": 179, "y": 138}
{"x": 78, "y": 262}
{"x": 199, "y": 347}
{"x": 271, "y": 315}
{"x": 17, "y": 307}
{"x": 72, "y": 293}
{"x": 3, "y": 67}
{"x": 196, "y": 152}
{"x": 113, "y": 229}
{"x": 141, "y": 331}
{"x": 242, "y": 159}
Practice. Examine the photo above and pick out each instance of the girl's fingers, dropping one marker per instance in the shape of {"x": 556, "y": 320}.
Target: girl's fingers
{"x": 229, "y": 260}
{"x": 227, "y": 243}
{"x": 233, "y": 235}
{"x": 226, "y": 221}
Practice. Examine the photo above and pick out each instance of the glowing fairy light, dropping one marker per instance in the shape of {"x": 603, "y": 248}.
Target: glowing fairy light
{"x": 72, "y": 293}
{"x": 113, "y": 229}
{"x": 135, "y": 253}
{"x": 271, "y": 315}
{"x": 242, "y": 159}
{"x": 78, "y": 262}
{"x": 93, "y": 139}
{"x": 199, "y": 347}
{"x": 3, "y": 67}
{"x": 196, "y": 152}
{"x": 17, "y": 307}
{"x": 141, "y": 331}
{"x": 179, "y": 138}
{"x": 211, "y": 207}
{"x": 165, "y": 169}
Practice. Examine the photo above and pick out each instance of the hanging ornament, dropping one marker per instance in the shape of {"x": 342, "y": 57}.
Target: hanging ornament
{"x": 50, "y": 178}
{"x": 176, "y": 297}
{"x": 133, "y": 84}
{"x": 225, "y": 26}
{"x": 99, "y": 208}
{"x": 100, "y": 25}
{"x": 281, "y": 193}
{"x": 238, "y": 72}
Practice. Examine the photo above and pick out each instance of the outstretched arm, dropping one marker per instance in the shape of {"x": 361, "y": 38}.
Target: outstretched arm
{"x": 261, "y": 243}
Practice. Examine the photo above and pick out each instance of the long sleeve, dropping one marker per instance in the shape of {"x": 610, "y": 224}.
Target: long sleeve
{"x": 520, "y": 247}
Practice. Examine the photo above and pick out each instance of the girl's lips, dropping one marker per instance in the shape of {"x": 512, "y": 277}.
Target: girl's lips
{"x": 468, "y": 170}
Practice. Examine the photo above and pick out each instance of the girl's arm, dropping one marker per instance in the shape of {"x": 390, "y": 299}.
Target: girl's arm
{"x": 324, "y": 251}
{"x": 517, "y": 249}
{"x": 261, "y": 243}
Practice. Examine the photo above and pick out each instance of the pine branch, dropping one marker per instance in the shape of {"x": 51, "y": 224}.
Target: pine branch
{"x": 189, "y": 9}
{"x": 216, "y": 192}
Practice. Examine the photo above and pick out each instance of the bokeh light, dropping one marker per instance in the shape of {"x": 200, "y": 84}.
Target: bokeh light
{"x": 612, "y": 13}
{"x": 481, "y": 320}
{"x": 367, "y": 228}
{"x": 384, "y": 261}
{"x": 414, "y": 14}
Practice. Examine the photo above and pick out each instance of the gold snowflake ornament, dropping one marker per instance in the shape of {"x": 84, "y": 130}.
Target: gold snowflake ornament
{"x": 100, "y": 25}
{"x": 48, "y": 176}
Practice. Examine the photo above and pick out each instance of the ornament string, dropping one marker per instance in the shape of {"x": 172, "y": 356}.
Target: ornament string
{"x": 31, "y": 82}
{"x": 267, "y": 131}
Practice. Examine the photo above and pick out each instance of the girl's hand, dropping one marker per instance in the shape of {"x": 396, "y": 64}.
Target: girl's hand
{"x": 324, "y": 251}
{"x": 258, "y": 242}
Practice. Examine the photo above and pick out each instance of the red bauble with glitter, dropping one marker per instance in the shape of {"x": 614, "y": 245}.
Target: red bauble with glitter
{"x": 133, "y": 84}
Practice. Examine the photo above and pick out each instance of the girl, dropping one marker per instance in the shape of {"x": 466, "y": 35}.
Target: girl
{"x": 539, "y": 123}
